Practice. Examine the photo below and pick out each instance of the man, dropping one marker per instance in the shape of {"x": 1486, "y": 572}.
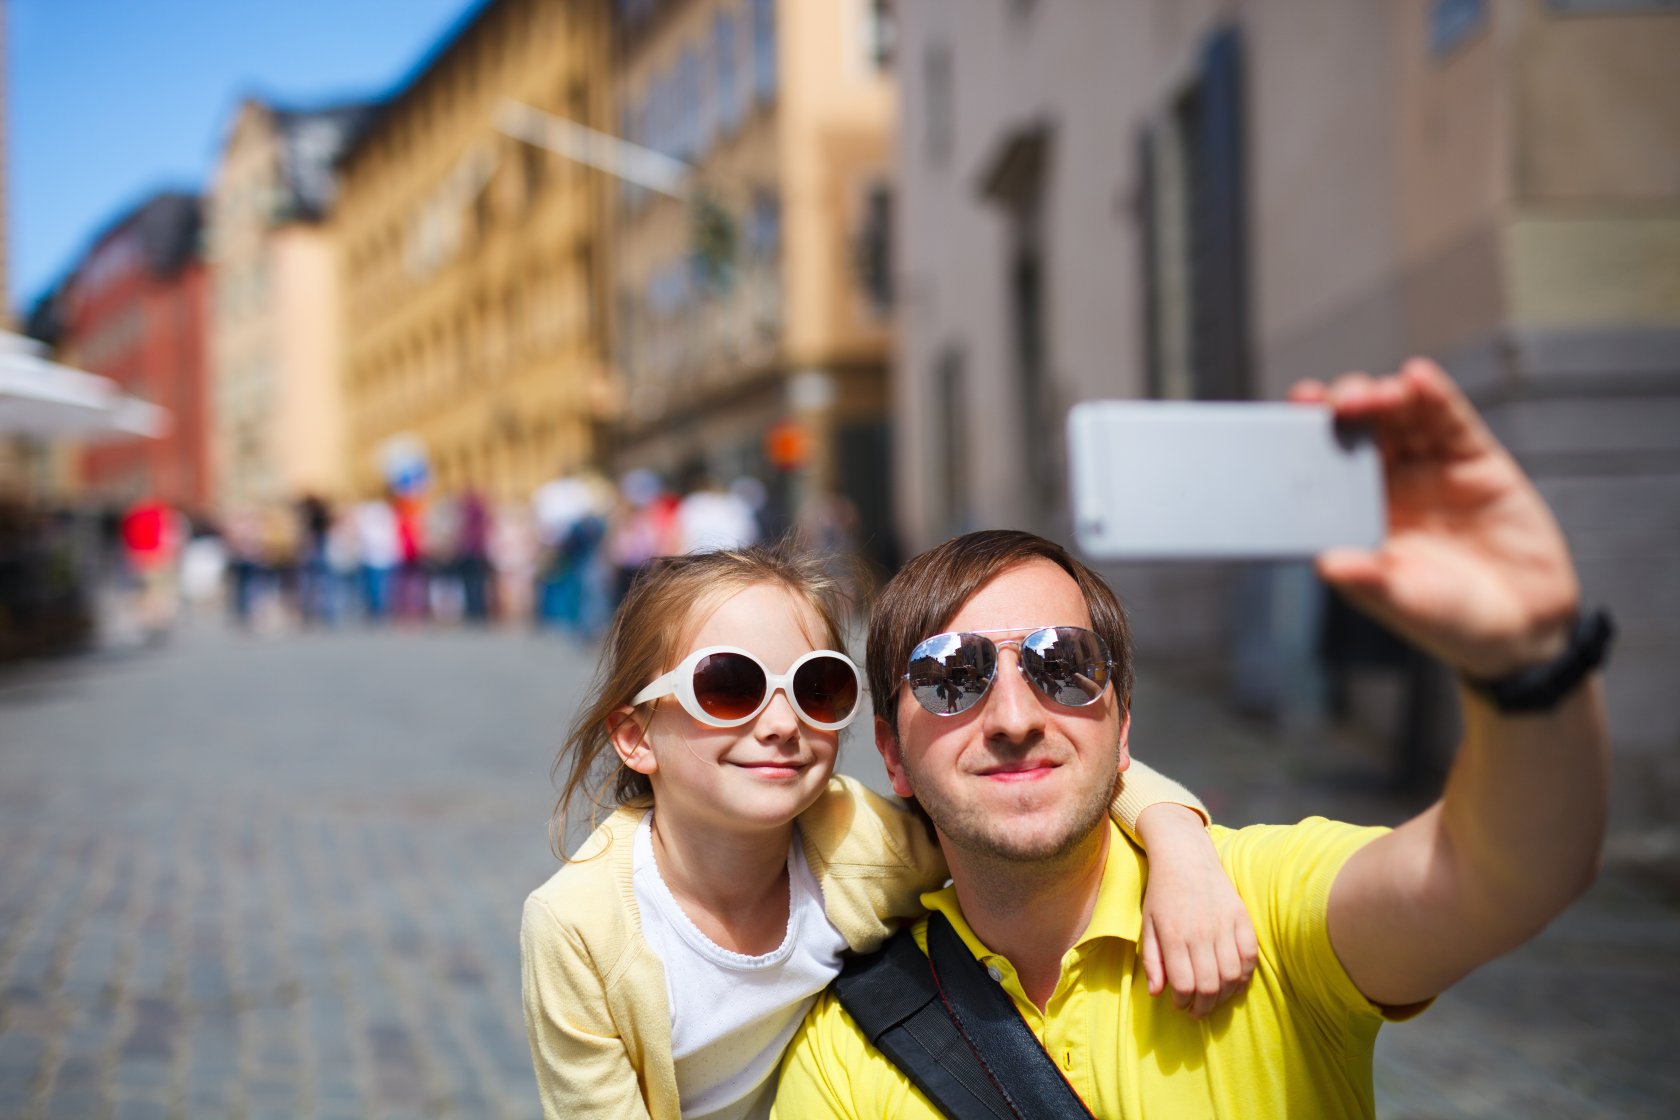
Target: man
{"x": 1356, "y": 925}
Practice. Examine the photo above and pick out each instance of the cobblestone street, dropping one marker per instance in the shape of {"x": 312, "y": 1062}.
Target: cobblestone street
{"x": 281, "y": 877}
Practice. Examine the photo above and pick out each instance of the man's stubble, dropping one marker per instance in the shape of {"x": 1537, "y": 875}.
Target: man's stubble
{"x": 989, "y": 835}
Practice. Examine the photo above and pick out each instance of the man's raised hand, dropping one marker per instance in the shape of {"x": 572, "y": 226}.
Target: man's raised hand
{"x": 1474, "y": 569}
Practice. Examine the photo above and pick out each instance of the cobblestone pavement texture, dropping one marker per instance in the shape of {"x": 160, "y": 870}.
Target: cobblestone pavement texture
{"x": 281, "y": 877}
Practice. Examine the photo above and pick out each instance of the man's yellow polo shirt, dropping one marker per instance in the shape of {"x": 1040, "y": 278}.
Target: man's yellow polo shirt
{"x": 1297, "y": 1043}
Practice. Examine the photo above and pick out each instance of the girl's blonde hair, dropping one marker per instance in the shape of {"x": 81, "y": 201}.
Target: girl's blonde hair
{"x": 648, "y": 635}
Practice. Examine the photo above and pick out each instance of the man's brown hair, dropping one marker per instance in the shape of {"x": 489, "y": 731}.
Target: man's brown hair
{"x": 922, "y": 598}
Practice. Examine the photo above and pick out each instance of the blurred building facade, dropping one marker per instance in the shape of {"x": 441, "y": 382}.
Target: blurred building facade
{"x": 134, "y": 309}
{"x": 277, "y": 412}
{"x": 1213, "y": 199}
{"x": 471, "y": 312}
{"x": 752, "y": 308}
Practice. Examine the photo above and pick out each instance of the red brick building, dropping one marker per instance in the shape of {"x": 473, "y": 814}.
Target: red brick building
{"x": 134, "y": 310}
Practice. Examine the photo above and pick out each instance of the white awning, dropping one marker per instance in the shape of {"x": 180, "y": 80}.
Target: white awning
{"x": 43, "y": 399}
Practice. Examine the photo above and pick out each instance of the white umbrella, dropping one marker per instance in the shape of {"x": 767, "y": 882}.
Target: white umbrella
{"x": 46, "y": 400}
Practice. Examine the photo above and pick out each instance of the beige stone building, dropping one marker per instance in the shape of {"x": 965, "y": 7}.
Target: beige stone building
{"x": 1213, "y": 199}
{"x": 276, "y": 407}
{"x": 469, "y": 260}
{"x": 752, "y": 304}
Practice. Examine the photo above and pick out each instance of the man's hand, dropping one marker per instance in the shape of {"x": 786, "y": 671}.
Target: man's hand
{"x": 1196, "y": 931}
{"x": 1475, "y": 569}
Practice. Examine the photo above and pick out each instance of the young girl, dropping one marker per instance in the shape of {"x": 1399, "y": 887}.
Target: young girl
{"x": 667, "y": 964}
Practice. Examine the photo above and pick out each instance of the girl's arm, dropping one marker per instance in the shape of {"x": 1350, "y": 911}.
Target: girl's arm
{"x": 1197, "y": 936}
{"x": 583, "y": 1068}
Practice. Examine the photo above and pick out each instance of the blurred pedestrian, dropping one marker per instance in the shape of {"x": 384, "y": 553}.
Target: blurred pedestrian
{"x": 244, "y": 540}
{"x": 344, "y": 561}
{"x": 152, "y": 536}
{"x": 642, "y": 526}
{"x": 472, "y": 555}
{"x": 276, "y": 603}
{"x": 204, "y": 563}
{"x": 572, "y": 513}
{"x": 379, "y": 547}
{"x": 314, "y": 519}
{"x": 711, "y": 518}
{"x": 411, "y": 581}
{"x": 514, "y": 552}
{"x": 441, "y": 557}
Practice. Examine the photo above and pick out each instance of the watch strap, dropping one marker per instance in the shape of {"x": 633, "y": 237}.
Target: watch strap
{"x": 1539, "y": 688}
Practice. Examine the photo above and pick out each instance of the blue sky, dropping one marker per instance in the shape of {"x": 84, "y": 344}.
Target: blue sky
{"x": 109, "y": 100}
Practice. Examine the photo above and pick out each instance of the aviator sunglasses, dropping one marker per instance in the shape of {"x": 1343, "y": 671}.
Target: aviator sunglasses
{"x": 949, "y": 673}
{"x": 722, "y": 686}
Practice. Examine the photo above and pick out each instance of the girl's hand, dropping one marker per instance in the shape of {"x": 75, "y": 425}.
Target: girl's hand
{"x": 1197, "y": 936}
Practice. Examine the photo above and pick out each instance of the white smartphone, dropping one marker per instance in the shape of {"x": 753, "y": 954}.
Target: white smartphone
{"x": 1165, "y": 479}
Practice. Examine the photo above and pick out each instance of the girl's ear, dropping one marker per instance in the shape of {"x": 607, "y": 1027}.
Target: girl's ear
{"x": 629, "y": 739}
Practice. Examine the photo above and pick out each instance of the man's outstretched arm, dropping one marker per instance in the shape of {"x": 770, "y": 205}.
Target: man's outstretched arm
{"x": 1475, "y": 571}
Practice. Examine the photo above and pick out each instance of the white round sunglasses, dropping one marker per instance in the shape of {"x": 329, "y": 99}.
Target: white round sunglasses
{"x": 724, "y": 686}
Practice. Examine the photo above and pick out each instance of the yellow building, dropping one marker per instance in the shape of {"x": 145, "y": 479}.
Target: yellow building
{"x": 469, "y": 261}
{"x": 276, "y": 413}
{"x": 753, "y": 301}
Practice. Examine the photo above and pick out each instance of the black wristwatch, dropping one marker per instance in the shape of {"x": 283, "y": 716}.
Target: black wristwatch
{"x": 1538, "y": 688}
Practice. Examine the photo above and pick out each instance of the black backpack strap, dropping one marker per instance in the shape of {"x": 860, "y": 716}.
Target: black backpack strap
{"x": 989, "y": 1021}
{"x": 892, "y": 997}
{"x": 954, "y": 1032}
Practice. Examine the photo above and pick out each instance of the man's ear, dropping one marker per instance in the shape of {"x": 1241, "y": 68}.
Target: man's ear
{"x": 629, "y": 739}
{"x": 1125, "y": 738}
{"x": 886, "y": 741}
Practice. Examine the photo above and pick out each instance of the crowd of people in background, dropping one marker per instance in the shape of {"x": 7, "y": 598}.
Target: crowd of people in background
{"x": 562, "y": 560}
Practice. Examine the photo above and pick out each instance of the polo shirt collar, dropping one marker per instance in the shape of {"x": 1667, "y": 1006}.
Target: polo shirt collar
{"x": 1119, "y": 908}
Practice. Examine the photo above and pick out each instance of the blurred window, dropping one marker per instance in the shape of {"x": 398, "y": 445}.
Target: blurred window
{"x": 1452, "y": 22}
{"x": 1192, "y": 207}
{"x": 653, "y": 114}
{"x": 577, "y": 110}
{"x": 764, "y": 227}
{"x": 707, "y": 94}
{"x": 951, "y": 410}
{"x": 624, "y": 335}
{"x": 627, "y": 130}
{"x": 725, "y": 43}
{"x": 535, "y": 160}
{"x": 880, "y": 33}
{"x": 641, "y": 132}
{"x": 664, "y": 118}
{"x": 764, "y": 49}
{"x": 691, "y": 115}
{"x": 939, "y": 106}
{"x": 1026, "y": 306}
{"x": 874, "y": 248}
{"x": 584, "y": 265}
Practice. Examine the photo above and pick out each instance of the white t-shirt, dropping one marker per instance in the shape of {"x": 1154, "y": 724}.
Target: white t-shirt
{"x": 732, "y": 1015}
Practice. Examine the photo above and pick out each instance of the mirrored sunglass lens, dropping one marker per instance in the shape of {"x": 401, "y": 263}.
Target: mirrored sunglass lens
{"x": 728, "y": 685}
{"x": 1067, "y": 663}
{"x": 949, "y": 672}
{"x": 826, "y": 688}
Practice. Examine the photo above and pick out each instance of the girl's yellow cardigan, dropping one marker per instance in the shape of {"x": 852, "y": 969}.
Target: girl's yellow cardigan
{"x": 594, "y": 992}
